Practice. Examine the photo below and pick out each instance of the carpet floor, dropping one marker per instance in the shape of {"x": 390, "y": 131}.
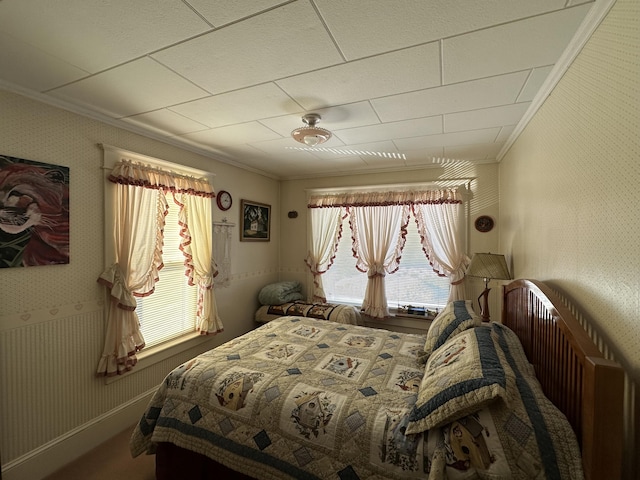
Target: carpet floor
{"x": 109, "y": 461}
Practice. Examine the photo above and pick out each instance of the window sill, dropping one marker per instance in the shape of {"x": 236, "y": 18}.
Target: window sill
{"x": 400, "y": 322}
{"x": 394, "y": 311}
{"x": 411, "y": 315}
{"x": 153, "y": 355}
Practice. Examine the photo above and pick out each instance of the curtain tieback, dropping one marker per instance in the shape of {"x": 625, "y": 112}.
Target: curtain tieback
{"x": 376, "y": 271}
{"x": 205, "y": 281}
{"x": 113, "y": 279}
{"x": 314, "y": 267}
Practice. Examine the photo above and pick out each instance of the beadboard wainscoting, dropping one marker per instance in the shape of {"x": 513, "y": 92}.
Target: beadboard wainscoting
{"x": 52, "y": 406}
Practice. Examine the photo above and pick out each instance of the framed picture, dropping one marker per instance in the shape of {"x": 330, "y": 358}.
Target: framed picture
{"x": 34, "y": 219}
{"x": 255, "y": 221}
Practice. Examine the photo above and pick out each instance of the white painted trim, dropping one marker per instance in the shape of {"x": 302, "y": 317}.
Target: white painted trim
{"x": 596, "y": 14}
{"x": 150, "y": 356}
{"x": 114, "y": 154}
{"x": 53, "y": 455}
{"x": 448, "y": 183}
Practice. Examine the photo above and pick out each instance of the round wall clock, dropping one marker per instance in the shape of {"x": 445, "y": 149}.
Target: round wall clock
{"x": 224, "y": 200}
{"x": 484, "y": 223}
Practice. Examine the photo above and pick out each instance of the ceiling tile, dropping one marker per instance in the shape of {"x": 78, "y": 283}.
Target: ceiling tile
{"x": 291, "y": 161}
{"x": 448, "y": 139}
{"x": 533, "y": 84}
{"x": 25, "y": 65}
{"x": 365, "y": 27}
{"x": 486, "y": 117}
{"x": 294, "y": 166}
{"x": 534, "y": 42}
{"x": 281, "y": 42}
{"x": 250, "y": 156}
{"x": 422, "y": 156}
{"x": 381, "y": 149}
{"x": 95, "y": 35}
{"x": 473, "y": 152}
{"x": 500, "y": 90}
{"x": 406, "y": 70}
{"x": 504, "y": 134}
{"x": 349, "y": 115}
{"x": 233, "y": 134}
{"x": 149, "y": 86}
{"x": 389, "y": 131}
{"x": 384, "y": 162}
{"x": 222, "y": 12}
{"x": 381, "y": 154}
{"x": 285, "y": 124}
{"x": 166, "y": 121}
{"x": 240, "y": 106}
{"x": 332, "y": 165}
{"x": 289, "y": 146}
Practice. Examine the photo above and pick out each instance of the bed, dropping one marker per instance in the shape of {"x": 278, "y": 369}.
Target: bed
{"x": 303, "y": 398}
{"x": 338, "y": 313}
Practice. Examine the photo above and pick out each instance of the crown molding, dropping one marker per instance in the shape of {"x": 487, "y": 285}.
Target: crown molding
{"x": 596, "y": 15}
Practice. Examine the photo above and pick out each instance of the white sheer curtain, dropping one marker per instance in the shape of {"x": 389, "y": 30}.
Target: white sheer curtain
{"x": 139, "y": 213}
{"x": 440, "y": 227}
{"x": 378, "y": 222}
{"x": 139, "y": 219}
{"x": 197, "y": 246}
{"x": 379, "y": 234}
{"x": 326, "y": 229}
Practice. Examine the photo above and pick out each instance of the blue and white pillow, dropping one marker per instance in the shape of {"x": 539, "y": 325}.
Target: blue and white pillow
{"x": 455, "y": 318}
{"x": 464, "y": 375}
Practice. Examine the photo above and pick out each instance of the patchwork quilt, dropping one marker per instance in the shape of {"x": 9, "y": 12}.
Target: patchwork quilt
{"x": 339, "y": 313}
{"x": 305, "y": 398}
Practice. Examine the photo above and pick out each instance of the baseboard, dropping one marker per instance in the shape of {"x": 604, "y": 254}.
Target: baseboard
{"x": 63, "y": 450}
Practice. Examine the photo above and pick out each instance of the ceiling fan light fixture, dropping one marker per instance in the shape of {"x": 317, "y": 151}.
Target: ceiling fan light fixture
{"x": 311, "y": 135}
{"x": 313, "y": 140}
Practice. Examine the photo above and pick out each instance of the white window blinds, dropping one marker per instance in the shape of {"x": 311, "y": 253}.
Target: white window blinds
{"x": 171, "y": 310}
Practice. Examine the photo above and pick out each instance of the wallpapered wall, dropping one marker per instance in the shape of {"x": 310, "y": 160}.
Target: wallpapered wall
{"x": 569, "y": 198}
{"x": 51, "y": 317}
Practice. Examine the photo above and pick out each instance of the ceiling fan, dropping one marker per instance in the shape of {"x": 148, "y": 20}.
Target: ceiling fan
{"x": 311, "y": 136}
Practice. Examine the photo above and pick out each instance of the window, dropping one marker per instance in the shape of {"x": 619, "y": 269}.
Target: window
{"x": 171, "y": 310}
{"x": 415, "y": 283}
{"x": 179, "y": 305}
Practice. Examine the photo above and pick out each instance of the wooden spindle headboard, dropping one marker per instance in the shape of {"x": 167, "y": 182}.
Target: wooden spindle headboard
{"x": 575, "y": 376}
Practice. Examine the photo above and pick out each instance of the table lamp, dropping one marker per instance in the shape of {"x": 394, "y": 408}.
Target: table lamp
{"x": 488, "y": 266}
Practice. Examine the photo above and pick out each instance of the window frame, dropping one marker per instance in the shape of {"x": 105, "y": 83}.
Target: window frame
{"x": 147, "y": 356}
{"x": 392, "y": 305}
{"x": 464, "y": 184}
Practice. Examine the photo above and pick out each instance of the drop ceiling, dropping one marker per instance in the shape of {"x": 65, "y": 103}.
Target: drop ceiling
{"x": 401, "y": 84}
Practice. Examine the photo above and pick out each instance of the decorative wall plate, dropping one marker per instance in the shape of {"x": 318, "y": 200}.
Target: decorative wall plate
{"x": 484, "y": 223}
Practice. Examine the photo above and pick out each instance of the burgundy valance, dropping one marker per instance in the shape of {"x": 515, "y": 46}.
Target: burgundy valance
{"x": 381, "y": 199}
{"x": 126, "y": 172}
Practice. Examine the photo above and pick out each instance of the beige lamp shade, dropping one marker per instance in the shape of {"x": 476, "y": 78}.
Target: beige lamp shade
{"x": 488, "y": 266}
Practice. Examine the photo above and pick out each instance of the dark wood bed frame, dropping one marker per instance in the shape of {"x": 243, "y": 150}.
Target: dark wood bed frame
{"x": 577, "y": 378}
